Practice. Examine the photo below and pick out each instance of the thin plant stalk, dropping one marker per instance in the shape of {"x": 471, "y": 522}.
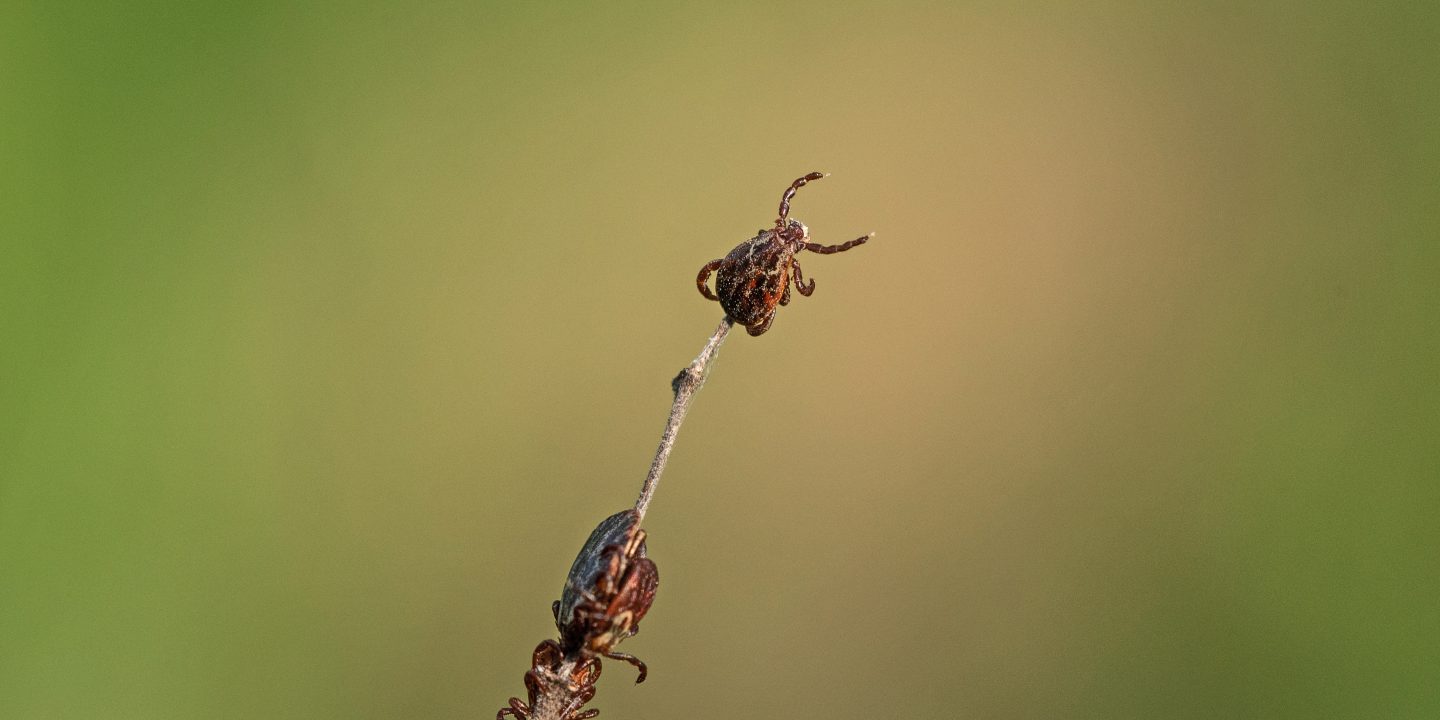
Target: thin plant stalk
{"x": 685, "y": 385}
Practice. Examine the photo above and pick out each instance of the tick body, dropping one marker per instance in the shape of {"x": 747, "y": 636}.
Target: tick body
{"x": 756, "y": 277}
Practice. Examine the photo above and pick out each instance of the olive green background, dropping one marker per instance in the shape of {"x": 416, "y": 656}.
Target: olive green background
{"x": 329, "y": 333}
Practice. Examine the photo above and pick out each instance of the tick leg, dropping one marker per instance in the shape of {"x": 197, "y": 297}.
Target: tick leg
{"x": 516, "y": 708}
{"x": 790, "y": 193}
{"x": 532, "y": 688}
{"x": 637, "y": 538}
{"x": 577, "y": 702}
{"x": 800, "y": 285}
{"x": 828, "y": 249}
{"x": 633, "y": 661}
{"x": 587, "y": 672}
{"x": 704, "y": 275}
{"x": 548, "y": 653}
{"x": 785, "y": 296}
{"x": 605, "y": 583}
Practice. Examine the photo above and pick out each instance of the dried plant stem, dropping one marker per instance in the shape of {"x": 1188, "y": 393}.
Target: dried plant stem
{"x": 685, "y": 385}
{"x": 559, "y": 696}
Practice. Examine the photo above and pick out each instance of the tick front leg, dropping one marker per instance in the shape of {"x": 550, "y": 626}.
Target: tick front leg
{"x": 790, "y": 193}
{"x": 828, "y": 249}
{"x": 800, "y": 285}
{"x": 700, "y": 280}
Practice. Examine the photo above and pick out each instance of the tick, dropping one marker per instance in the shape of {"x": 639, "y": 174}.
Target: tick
{"x": 756, "y": 276}
{"x": 542, "y": 678}
{"x": 610, "y": 587}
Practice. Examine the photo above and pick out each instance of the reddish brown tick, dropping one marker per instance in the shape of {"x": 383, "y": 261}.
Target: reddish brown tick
{"x": 756, "y": 276}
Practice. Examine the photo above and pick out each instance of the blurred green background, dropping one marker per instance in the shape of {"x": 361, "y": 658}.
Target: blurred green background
{"x": 329, "y": 333}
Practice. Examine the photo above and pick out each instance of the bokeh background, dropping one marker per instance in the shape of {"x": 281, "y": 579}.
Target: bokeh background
{"x": 330, "y": 332}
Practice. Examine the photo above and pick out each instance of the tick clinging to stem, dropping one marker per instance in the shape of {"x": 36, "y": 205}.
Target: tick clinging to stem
{"x": 610, "y": 587}
{"x": 755, "y": 277}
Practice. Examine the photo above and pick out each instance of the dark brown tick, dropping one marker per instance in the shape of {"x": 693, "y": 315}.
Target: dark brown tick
{"x": 610, "y": 587}
{"x": 756, "y": 276}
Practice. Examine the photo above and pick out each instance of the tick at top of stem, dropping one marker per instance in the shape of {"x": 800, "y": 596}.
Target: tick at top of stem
{"x": 755, "y": 277}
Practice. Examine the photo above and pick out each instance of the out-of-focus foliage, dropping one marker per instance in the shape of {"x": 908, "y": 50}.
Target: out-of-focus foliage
{"x": 330, "y": 330}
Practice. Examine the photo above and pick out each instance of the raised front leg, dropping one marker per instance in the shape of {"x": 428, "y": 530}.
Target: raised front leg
{"x": 790, "y": 193}
{"x": 829, "y": 249}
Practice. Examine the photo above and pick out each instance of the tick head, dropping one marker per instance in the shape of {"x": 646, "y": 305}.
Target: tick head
{"x": 793, "y": 233}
